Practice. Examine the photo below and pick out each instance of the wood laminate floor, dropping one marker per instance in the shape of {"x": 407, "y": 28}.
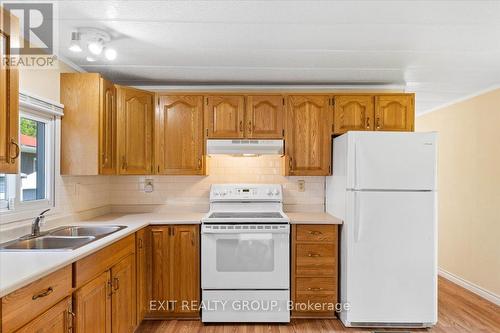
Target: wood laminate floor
{"x": 460, "y": 311}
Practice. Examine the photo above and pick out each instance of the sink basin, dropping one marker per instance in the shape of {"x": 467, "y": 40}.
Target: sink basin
{"x": 76, "y": 231}
{"x": 61, "y": 239}
{"x": 48, "y": 243}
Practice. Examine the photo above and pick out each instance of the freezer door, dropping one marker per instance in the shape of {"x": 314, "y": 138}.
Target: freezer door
{"x": 391, "y": 263}
{"x": 392, "y": 161}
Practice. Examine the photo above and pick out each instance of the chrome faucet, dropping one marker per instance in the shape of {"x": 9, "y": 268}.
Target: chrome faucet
{"x": 35, "y": 226}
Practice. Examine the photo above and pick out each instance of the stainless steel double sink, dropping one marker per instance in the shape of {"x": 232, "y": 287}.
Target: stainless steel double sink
{"x": 61, "y": 239}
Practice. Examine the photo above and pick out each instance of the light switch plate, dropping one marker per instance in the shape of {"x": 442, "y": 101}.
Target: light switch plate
{"x": 302, "y": 185}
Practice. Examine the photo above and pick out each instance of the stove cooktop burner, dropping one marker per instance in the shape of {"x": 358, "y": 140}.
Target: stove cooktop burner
{"x": 267, "y": 215}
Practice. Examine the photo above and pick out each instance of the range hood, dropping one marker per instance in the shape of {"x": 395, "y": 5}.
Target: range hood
{"x": 244, "y": 147}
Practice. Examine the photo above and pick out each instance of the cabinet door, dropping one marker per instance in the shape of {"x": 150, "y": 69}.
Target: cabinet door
{"x": 179, "y": 135}
{"x": 9, "y": 99}
{"x": 123, "y": 301}
{"x": 394, "y": 113}
{"x": 224, "y": 116}
{"x": 160, "y": 272}
{"x": 185, "y": 269}
{"x": 142, "y": 252}
{"x": 264, "y": 117}
{"x": 107, "y": 128}
{"x": 135, "y": 127}
{"x": 57, "y": 319}
{"x": 308, "y": 135}
{"x": 353, "y": 113}
{"x": 93, "y": 305}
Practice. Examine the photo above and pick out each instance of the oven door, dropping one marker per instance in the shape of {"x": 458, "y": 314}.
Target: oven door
{"x": 245, "y": 256}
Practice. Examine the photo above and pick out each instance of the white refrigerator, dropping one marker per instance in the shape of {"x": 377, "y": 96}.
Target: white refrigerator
{"x": 384, "y": 189}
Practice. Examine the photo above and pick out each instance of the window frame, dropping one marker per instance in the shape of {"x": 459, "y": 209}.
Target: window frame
{"x": 26, "y": 209}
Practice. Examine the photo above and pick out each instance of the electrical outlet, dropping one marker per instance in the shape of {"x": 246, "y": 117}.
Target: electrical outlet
{"x": 148, "y": 186}
{"x": 302, "y": 185}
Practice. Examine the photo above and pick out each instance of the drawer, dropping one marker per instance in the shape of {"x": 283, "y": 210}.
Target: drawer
{"x": 95, "y": 264}
{"x": 25, "y": 304}
{"x": 308, "y": 305}
{"x": 316, "y": 285}
{"x": 316, "y": 233}
{"x": 316, "y": 260}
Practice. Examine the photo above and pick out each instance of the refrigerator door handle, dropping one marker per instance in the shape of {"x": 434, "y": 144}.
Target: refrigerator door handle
{"x": 357, "y": 219}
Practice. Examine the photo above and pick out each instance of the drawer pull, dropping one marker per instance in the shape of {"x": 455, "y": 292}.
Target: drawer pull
{"x": 313, "y": 255}
{"x": 44, "y": 293}
{"x": 315, "y": 232}
{"x": 314, "y": 289}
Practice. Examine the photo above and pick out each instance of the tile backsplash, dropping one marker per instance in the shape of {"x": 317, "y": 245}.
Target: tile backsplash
{"x": 87, "y": 196}
{"x": 171, "y": 192}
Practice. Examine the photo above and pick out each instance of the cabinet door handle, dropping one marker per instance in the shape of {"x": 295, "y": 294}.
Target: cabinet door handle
{"x": 290, "y": 164}
{"x": 367, "y": 122}
{"x": 43, "y": 293}
{"x": 110, "y": 288}
{"x": 140, "y": 243}
{"x": 250, "y": 126}
{"x": 18, "y": 150}
{"x": 124, "y": 162}
{"x": 315, "y": 232}
{"x": 199, "y": 163}
{"x": 377, "y": 124}
{"x": 314, "y": 289}
{"x": 313, "y": 255}
{"x": 241, "y": 125}
{"x": 116, "y": 284}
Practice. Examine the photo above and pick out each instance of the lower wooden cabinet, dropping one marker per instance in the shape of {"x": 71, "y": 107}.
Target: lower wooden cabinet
{"x": 92, "y": 305}
{"x": 58, "y": 319}
{"x": 174, "y": 271}
{"x": 28, "y": 303}
{"x": 314, "y": 270}
{"x": 107, "y": 302}
{"x": 123, "y": 296}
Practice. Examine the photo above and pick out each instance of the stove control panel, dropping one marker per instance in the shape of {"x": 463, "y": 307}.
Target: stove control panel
{"x": 248, "y": 192}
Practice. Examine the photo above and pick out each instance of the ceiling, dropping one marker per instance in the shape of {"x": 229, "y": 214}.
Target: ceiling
{"x": 442, "y": 50}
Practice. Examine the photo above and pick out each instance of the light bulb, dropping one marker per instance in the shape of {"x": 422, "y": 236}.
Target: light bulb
{"x": 110, "y": 54}
{"x": 90, "y": 59}
{"x": 75, "y": 48}
{"x": 95, "y": 47}
{"x": 75, "y": 42}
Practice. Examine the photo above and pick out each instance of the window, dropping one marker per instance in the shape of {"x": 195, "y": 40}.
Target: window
{"x": 33, "y": 187}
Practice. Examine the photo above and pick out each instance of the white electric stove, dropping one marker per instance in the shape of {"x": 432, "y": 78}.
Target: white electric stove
{"x": 245, "y": 241}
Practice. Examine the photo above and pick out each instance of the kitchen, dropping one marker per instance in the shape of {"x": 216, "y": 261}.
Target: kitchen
{"x": 200, "y": 206}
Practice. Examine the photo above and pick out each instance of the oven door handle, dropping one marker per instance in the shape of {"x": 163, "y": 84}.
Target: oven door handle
{"x": 211, "y": 230}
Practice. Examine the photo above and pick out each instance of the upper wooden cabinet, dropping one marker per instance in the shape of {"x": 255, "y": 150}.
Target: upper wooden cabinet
{"x": 394, "y": 112}
{"x": 9, "y": 98}
{"x": 353, "y": 113}
{"x": 264, "y": 116}
{"x": 135, "y": 131}
{"x": 88, "y": 127}
{"x": 224, "y": 116}
{"x": 308, "y": 135}
{"x": 179, "y": 135}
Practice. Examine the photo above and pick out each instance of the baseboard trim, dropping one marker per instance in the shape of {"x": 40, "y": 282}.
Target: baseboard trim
{"x": 486, "y": 294}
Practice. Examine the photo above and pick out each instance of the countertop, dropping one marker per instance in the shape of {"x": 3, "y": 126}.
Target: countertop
{"x": 313, "y": 218}
{"x": 18, "y": 269}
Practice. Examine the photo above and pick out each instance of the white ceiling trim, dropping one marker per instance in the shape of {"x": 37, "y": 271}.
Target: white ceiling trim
{"x": 461, "y": 99}
{"x": 254, "y": 87}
